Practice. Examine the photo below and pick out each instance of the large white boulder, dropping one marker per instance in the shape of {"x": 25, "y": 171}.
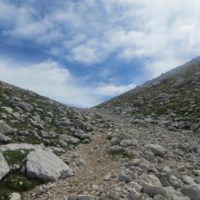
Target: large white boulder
{"x": 4, "y": 168}
{"x": 46, "y": 166}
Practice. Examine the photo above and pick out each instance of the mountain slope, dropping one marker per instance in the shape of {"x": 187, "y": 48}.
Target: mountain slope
{"x": 31, "y": 122}
{"x": 172, "y": 99}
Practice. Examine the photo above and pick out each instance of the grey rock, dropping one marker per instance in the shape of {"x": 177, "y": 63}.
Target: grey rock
{"x": 80, "y": 124}
{"x": 188, "y": 180}
{"x": 23, "y": 133}
{"x": 4, "y": 139}
{"x": 157, "y": 150}
{"x": 16, "y": 146}
{"x": 8, "y": 109}
{"x": 133, "y": 194}
{"x": 159, "y": 197}
{"x": 151, "y": 185}
{"x": 115, "y": 194}
{"x": 180, "y": 83}
{"x": 62, "y": 143}
{"x": 23, "y": 105}
{"x": 127, "y": 143}
{"x": 81, "y": 134}
{"x": 5, "y": 128}
{"x": 126, "y": 175}
{"x": 115, "y": 141}
{"x": 69, "y": 139}
{"x": 175, "y": 194}
{"x": 47, "y": 166}
{"x": 48, "y": 135}
{"x": 64, "y": 122}
{"x": 15, "y": 196}
{"x": 136, "y": 162}
{"x": 192, "y": 191}
{"x": 135, "y": 185}
{"x": 4, "y": 168}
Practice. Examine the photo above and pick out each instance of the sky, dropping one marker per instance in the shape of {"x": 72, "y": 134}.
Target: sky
{"x": 83, "y": 52}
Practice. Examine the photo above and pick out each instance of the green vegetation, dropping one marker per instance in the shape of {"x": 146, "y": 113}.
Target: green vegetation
{"x": 183, "y": 101}
{"x": 15, "y": 157}
{"x": 16, "y": 182}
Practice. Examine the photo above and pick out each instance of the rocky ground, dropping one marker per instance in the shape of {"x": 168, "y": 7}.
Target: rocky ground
{"x": 142, "y": 145}
{"x": 130, "y": 162}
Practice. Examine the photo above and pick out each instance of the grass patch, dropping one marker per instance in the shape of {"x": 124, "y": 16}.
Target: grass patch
{"x": 15, "y": 157}
{"x": 16, "y": 182}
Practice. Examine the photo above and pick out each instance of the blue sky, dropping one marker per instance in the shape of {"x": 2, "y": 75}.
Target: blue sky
{"x": 83, "y": 52}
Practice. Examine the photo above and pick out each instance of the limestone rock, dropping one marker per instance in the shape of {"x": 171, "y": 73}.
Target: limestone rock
{"x": 47, "y": 166}
{"x": 4, "y": 139}
{"x": 151, "y": 185}
{"x": 157, "y": 150}
{"x": 4, "y": 127}
{"x": 15, "y": 196}
{"x": 192, "y": 191}
{"x": 4, "y": 168}
{"x": 69, "y": 139}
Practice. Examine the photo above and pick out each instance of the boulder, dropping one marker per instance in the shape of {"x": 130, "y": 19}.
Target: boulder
{"x": 4, "y": 127}
{"x": 80, "y": 124}
{"x": 23, "y": 105}
{"x": 4, "y": 139}
{"x": 192, "y": 191}
{"x": 46, "y": 166}
{"x": 4, "y": 168}
{"x": 69, "y": 139}
{"x": 188, "y": 180}
{"x": 151, "y": 185}
{"x": 81, "y": 134}
{"x": 175, "y": 194}
{"x": 157, "y": 150}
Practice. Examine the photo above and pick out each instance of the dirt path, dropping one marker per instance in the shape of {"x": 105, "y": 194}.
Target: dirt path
{"x": 95, "y": 169}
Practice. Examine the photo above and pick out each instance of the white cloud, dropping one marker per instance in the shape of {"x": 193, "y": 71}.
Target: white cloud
{"x": 113, "y": 90}
{"x": 89, "y": 31}
{"x": 158, "y": 67}
{"x": 84, "y": 54}
{"x": 50, "y": 79}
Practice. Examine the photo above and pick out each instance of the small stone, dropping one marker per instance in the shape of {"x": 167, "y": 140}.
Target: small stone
{"x": 4, "y": 139}
{"x": 126, "y": 175}
{"x": 108, "y": 177}
{"x": 83, "y": 197}
{"x": 15, "y": 196}
{"x": 157, "y": 150}
{"x": 188, "y": 180}
{"x": 133, "y": 194}
{"x": 136, "y": 162}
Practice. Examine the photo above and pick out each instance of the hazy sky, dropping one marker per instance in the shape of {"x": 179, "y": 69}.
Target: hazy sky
{"x": 82, "y": 52}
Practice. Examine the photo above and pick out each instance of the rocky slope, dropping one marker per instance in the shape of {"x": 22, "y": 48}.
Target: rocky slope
{"x": 31, "y": 122}
{"x": 171, "y": 100}
{"x": 143, "y": 145}
{"x": 130, "y": 162}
